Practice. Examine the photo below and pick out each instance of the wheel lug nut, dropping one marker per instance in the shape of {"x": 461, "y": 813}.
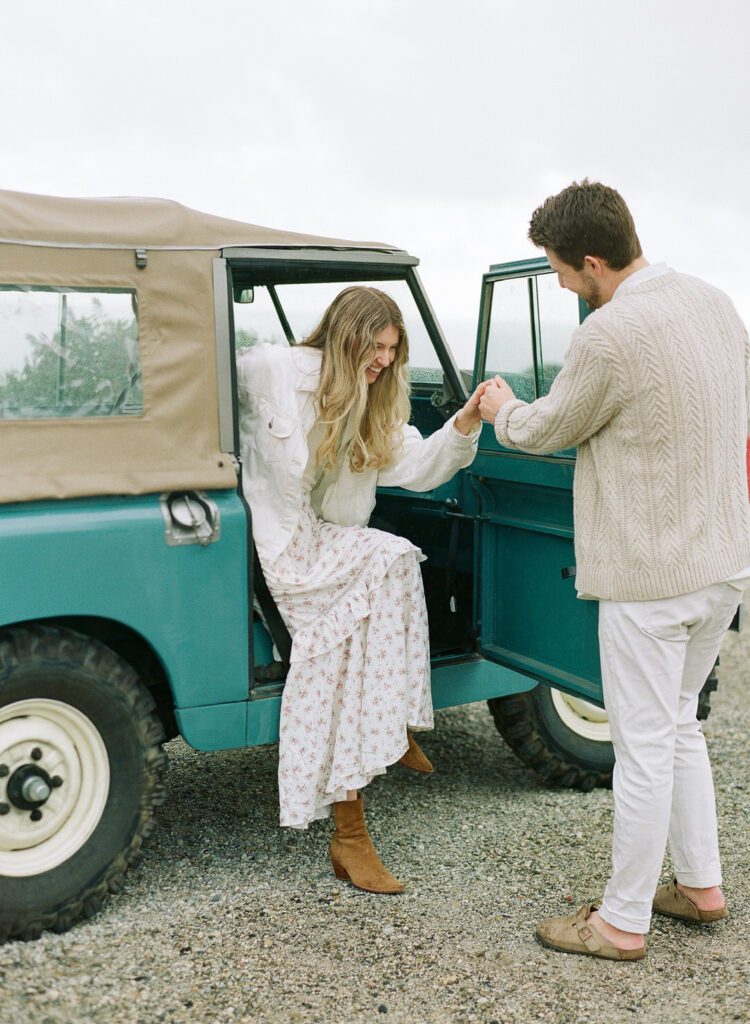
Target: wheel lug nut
{"x": 56, "y": 781}
{"x": 4, "y": 808}
{"x": 4, "y": 770}
{"x": 36, "y": 754}
{"x": 36, "y": 815}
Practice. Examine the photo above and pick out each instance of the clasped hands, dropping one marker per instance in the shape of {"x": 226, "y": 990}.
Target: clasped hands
{"x": 484, "y": 404}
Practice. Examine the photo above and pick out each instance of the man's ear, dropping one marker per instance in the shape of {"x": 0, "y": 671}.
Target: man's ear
{"x": 595, "y": 265}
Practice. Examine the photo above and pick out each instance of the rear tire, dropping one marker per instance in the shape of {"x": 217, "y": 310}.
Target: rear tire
{"x": 75, "y": 721}
{"x": 564, "y": 739}
{"x": 556, "y": 738}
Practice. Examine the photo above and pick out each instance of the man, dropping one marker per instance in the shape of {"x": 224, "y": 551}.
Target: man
{"x": 654, "y": 394}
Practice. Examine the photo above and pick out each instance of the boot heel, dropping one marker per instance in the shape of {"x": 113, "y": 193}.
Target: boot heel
{"x": 338, "y": 871}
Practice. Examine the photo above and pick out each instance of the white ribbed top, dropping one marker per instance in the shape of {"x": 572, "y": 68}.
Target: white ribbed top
{"x": 654, "y": 394}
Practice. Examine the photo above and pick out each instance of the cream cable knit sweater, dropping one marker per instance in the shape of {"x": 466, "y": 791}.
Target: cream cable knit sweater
{"x": 654, "y": 394}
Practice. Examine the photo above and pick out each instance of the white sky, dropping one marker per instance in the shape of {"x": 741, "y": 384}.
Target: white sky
{"x": 438, "y": 126}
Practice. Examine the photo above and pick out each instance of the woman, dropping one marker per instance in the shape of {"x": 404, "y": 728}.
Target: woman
{"x": 322, "y": 424}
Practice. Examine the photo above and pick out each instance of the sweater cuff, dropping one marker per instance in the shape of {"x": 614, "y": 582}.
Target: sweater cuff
{"x": 501, "y": 421}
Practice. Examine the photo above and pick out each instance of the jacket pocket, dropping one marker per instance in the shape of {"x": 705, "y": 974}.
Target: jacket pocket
{"x": 274, "y": 436}
{"x": 277, "y": 424}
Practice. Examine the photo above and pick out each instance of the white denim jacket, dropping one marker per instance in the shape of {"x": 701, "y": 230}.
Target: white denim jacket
{"x": 277, "y": 388}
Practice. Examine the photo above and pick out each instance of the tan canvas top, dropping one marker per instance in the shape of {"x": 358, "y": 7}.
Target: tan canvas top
{"x": 50, "y": 244}
{"x": 137, "y": 222}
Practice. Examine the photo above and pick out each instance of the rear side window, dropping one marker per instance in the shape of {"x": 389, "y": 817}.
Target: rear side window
{"x": 67, "y": 352}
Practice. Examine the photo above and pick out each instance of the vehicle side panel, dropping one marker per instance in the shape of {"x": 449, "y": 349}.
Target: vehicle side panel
{"x": 531, "y": 619}
{"x": 108, "y": 558}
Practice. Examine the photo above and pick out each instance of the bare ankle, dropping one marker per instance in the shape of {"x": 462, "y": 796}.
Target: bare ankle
{"x": 617, "y": 936}
{"x": 705, "y": 898}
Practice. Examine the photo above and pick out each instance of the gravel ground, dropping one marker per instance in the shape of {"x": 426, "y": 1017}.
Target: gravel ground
{"x": 230, "y": 918}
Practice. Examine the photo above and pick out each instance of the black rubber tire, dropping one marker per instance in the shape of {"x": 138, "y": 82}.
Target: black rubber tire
{"x": 58, "y": 664}
{"x": 530, "y": 725}
{"x": 704, "y": 698}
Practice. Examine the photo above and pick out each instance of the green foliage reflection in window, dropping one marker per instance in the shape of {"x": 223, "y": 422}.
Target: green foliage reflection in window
{"x": 68, "y": 353}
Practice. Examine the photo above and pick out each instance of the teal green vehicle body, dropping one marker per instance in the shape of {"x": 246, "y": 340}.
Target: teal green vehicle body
{"x": 105, "y": 559}
{"x": 102, "y": 564}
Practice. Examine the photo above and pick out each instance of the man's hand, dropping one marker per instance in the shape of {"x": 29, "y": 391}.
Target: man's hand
{"x": 468, "y": 417}
{"x": 496, "y": 394}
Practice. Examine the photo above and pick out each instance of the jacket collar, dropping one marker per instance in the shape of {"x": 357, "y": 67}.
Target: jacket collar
{"x": 307, "y": 362}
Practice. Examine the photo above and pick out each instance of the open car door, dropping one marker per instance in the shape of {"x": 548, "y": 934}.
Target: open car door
{"x": 528, "y": 615}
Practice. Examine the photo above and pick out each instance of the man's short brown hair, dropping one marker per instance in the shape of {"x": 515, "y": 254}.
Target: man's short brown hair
{"x": 586, "y": 219}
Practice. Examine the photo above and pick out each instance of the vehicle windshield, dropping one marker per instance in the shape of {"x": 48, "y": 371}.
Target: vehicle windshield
{"x": 287, "y": 313}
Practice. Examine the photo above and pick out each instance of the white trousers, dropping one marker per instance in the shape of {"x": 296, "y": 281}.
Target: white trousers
{"x": 655, "y": 657}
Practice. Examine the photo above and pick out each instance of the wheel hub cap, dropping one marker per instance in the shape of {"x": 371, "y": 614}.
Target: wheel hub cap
{"x": 581, "y": 717}
{"x": 29, "y": 787}
{"x": 54, "y": 783}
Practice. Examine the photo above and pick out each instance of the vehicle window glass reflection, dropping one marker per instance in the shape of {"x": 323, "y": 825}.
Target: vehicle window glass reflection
{"x": 68, "y": 353}
{"x": 509, "y": 343}
{"x": 558, "y": 318}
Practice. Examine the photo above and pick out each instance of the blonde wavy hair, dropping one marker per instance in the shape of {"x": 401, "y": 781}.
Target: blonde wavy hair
{"x": 377, "y": 411}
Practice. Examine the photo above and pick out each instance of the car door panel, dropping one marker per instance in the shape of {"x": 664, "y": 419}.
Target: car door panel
{"x": 528, "y": 615}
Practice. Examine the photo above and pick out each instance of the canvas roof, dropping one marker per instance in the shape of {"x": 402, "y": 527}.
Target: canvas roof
{"x": 47, "y": 242}
{"x": 133, "y": 222}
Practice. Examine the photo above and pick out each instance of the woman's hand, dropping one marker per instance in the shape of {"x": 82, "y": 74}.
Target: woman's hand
{"x": 469, "y": 416}
{"x": 495, "y": 395}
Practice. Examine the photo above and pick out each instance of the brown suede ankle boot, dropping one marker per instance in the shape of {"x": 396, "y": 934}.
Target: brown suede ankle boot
{"x": 353, "y": 856}
{"x": 415, "y": 757}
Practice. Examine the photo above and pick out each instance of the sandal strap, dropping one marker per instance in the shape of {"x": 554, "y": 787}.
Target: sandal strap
{"x": 588, "y": 935}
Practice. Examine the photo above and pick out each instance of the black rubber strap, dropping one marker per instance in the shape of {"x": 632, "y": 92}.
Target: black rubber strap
{"x": 272, "y": 615}
{"x": 257, "y": 586}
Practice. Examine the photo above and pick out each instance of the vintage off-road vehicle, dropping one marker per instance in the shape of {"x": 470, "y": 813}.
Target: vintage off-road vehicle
{"x": 132, "y": 608}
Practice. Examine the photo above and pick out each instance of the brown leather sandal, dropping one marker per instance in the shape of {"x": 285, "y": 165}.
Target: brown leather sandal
{"x": 672, "y": 902}
{"x": 572, "y": 934}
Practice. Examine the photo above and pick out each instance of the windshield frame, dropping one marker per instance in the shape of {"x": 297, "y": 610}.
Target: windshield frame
{"x": 247, "y": 267}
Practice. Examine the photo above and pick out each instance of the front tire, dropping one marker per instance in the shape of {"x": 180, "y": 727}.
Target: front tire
{"x": 81, "y": 769}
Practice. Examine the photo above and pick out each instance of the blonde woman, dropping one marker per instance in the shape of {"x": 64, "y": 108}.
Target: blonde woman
{"x": 322, "y": 424}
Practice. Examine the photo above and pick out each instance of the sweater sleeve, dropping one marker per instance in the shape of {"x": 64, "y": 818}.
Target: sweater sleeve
{"x": 426, "y": 462}
{"x": 747, "y": 373}
{"x": 583, "y": 398}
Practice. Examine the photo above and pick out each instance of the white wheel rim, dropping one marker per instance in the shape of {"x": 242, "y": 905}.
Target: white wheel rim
{"x": 584, "y": 719}
{"x": 68, "y": 746}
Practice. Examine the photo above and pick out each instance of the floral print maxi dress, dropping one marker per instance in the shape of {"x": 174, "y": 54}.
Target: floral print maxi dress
{"x": 353, "y": 600}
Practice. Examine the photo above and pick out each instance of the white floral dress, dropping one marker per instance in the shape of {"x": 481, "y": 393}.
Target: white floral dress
{"x": 353, "y": 600}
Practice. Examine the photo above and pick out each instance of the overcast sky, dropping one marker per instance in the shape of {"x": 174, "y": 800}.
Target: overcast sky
{"x": 435, "y": 125}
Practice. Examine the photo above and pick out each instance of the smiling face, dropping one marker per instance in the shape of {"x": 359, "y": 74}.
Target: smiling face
{"x": 386, "y": 342}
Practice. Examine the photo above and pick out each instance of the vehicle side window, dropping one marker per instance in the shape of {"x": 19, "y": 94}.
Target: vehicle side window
{"x": 510, "y": 348}
{"x": 531, "y": 323}
{"x": 558, "y": 318}
{"x": 67, "y": 353}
